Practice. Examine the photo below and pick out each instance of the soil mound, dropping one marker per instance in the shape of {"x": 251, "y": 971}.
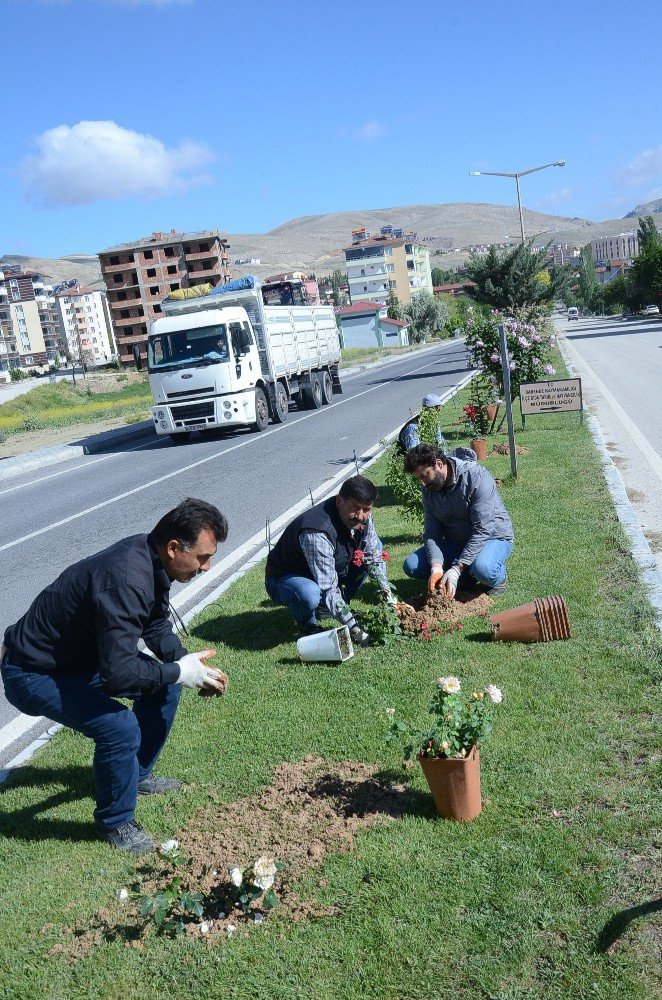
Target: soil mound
{"x": 440, "y": 613}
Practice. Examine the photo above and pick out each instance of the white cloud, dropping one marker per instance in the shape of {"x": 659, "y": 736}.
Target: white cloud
{"x": 556, "y": 198}
{"x": 643, "y": 169}
{"x": 91, "y": 161}
{"x": 370, "y": 131}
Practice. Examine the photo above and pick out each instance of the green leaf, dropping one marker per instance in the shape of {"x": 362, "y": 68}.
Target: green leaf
{"x": 270, "y": 900}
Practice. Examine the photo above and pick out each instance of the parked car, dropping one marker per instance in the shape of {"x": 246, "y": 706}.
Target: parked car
{"x": 573, "y": 313}
{"x": 650, "y": 311}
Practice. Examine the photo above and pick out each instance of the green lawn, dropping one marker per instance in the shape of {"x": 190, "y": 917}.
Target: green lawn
{"x": 62, "y": 403}
{"x": 528, "y": 901}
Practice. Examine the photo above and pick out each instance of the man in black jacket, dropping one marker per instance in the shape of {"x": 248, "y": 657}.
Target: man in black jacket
{"x": 77, "y": 645}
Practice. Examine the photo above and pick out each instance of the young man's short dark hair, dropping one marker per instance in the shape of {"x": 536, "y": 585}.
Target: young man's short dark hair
{"x": 358, "y": 488}
{"x": 187, "y": 520}
{"x": 422, "y": 455}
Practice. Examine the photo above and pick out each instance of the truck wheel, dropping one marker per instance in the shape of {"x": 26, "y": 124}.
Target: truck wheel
{"x": 261, "y": 411}
{"x": 182, "y": 438}
{"x": 327, "y": 387}
{"x": 313, "y": 392}
{"x": 281, "y": 406}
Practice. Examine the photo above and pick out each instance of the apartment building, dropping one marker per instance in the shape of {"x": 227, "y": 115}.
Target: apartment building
{"x": 139, "y": 275}
{"x": 30, "y": 334}
{"x": 625, "y": 246}
{"x": 85, "y": 322}
{"x": 379, "y": 265}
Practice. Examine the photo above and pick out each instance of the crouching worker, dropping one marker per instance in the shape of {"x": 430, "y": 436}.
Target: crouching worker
{"x": 466, "y": 528}
{"x": 75, "y": 651}
{"x": 323, "y": 557}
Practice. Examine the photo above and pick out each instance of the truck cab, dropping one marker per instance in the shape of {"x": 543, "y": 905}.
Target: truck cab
{"x": 200, "y": 375}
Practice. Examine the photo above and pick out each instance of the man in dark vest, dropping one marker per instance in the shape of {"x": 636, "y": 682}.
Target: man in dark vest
{"x": 323, "y": 557}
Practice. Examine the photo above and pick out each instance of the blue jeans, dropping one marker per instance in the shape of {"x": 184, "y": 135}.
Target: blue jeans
{"x": 302, "y": 595}
{"x": 127, "y": 743}
{"x": 488, "y": 568}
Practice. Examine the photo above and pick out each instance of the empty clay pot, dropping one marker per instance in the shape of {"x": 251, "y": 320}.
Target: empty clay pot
{"x": 541, "y": 620}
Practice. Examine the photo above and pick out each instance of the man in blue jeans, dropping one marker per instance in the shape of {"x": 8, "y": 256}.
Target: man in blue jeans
{"x": 466, "y": 528}
{"x": 76, "y": 650}
{"x": 323, "y": 557}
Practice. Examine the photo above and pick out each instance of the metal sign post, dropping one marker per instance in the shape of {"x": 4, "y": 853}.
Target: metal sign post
{"x": 505, "y": 367}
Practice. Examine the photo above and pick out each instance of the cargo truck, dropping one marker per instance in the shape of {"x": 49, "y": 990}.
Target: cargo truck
{"x": 227, "y": 359}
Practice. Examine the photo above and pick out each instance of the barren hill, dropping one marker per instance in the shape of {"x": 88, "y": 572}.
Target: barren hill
{"x": 315, "y": 242}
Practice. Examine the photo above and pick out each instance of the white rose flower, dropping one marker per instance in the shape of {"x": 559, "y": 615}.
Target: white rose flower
{"x": 168, "y": 848}
{"x": 236, "y": 875}
{"x": 494, "y": 693}
{"x": 264, "y": 882}
{"x": 449, "y": 685}
{"x": 231, "y": 928}
{"x": 264, "y": 867}
{"x": 122, "y": 895}
{"x": 204, "y": 927}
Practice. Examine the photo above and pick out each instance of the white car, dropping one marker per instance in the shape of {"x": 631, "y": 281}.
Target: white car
{"x": 650, "y": 311}
{"x": 573, "y": 313}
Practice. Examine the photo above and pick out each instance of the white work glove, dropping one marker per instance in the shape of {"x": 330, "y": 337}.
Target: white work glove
{"x": 359, "y": 637}
{"x": 194, "y": 673}
{"x": 450, "y": 580}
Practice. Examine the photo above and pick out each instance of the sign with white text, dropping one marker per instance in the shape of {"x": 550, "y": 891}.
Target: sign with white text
{"x": 560, "y": 395}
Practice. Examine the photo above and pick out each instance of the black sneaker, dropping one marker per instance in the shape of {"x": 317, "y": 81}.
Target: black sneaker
{"x": 128, "y": 837}
{"x": 311, "y": 629}
{"x": 154, "y": 786}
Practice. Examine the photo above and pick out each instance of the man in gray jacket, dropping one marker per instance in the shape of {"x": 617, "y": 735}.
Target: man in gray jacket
{"x": 466, "y": 527}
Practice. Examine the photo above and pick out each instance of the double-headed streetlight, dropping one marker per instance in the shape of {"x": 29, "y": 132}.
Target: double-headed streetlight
{"x": 520, "y": 173}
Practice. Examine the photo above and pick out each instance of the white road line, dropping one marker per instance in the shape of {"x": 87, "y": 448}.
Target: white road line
{"x": 641, "y": 442}
{"x": 63, "y": 472}
{"x": 17, "y": 727}
{"x": 202, "y": 461}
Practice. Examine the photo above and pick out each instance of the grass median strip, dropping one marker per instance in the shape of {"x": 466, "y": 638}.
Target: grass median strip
{"x": 550, "y": 893}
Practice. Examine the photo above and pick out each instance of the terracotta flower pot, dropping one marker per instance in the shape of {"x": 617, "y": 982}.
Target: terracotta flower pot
{"x": 479, "y": 445}
{"x": 491, "y": 411}
{"x": 541, "y": 620}
{"x": 455, "y": 785}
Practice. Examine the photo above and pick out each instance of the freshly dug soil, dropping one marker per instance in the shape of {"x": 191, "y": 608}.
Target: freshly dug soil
{"x": 504, "y": 449}
{"x": 440, "y": 613}
{"x": 312, "y": 808}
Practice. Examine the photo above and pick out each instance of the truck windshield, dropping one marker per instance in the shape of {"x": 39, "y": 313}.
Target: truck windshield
{"x": 205, "y": 345}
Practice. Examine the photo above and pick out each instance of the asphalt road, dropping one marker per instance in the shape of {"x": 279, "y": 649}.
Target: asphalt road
{"x": 620, "y": 363}
{"x": 58, "y": 516}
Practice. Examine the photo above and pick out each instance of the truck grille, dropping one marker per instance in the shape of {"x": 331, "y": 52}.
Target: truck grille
{"x": 189, "y": 392}
{"x": 194, "y": 411}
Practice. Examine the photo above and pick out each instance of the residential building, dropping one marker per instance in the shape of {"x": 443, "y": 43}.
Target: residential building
{"x": 456, "y": 289}
{"x": 366, "y": 324}
{"x": 625, "y": 246}
{"x": 30, "y": 334}
{"x": 139, "y": 275}
{"x": 85, "y": 322}
{"x": 379, "y": 265}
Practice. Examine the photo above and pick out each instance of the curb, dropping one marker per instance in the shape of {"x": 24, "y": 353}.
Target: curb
{"x": 55, "y": 455}
{"x": 639, "y": 547}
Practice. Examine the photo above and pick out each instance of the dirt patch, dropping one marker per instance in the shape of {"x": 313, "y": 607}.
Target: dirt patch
{"x": 504, "y": 449}
{"x": 49, "y": 437}
{"x": 440, "y": 613}
{"x": 312, "y": 808}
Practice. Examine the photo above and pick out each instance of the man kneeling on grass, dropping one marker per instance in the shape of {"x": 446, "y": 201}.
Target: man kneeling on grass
{"x": 75, "y": 651}
{"x": 466, "y": 528}
{"x": 323, "y": 557}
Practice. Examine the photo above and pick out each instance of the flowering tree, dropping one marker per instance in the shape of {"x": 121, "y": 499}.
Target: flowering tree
{"x": 529, "y": 351}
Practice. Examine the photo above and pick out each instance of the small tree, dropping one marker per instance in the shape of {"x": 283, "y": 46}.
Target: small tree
{"x": 513, "y": 281}
{"x": 648, "y": 232}
{"x": 645, "y": 277}
{"x": 338, "y": 279}
{"x": 425, "y": 315}
{"x": 586, "y": 277}
{"x": 394, "y": 310}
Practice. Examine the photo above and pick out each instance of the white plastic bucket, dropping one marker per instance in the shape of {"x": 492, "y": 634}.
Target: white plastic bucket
{"x": 326, "y": 646}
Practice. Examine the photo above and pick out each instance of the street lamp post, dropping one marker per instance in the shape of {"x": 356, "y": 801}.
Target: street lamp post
{"x": 520, "y": 173}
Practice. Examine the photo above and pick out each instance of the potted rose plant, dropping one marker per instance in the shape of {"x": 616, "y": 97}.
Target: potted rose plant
{"x": 448, "y": 750}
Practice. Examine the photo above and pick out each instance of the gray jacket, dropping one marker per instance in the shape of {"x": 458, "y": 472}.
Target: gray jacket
{"x": 468, "y": 511}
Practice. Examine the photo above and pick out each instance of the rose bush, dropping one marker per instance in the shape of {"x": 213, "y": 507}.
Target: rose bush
{"x": 529, "y": 351}
{"x": 460, "y": 722}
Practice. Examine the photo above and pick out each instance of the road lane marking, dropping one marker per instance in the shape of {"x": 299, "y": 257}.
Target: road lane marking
{"x": 204, "y": 461}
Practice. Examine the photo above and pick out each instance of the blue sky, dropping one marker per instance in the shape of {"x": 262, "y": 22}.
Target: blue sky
{"x": 121, "y": 117}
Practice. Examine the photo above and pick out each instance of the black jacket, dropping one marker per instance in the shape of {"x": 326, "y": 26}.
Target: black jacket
{"x": 287, "y": 556}
{"x": 91, "y": 618}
